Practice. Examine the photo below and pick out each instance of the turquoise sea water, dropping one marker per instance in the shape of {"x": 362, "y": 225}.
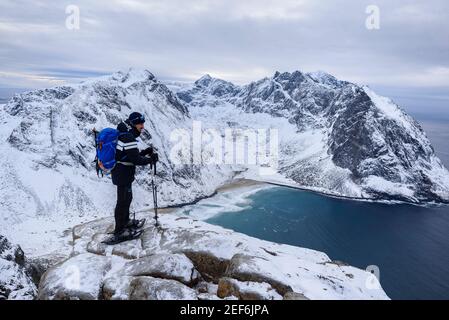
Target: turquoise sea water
{"x": 409, "y": 244}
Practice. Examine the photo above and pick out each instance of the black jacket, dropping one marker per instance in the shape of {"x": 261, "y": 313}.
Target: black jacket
{"x": 128, "y": 153}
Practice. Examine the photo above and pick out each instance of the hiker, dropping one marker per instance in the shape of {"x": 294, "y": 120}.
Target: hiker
{"x": 127, "y": 158}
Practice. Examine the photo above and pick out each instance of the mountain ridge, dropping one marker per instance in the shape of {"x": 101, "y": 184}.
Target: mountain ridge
{"x": 49, "y": 179}
{"x": 359, "y": 126}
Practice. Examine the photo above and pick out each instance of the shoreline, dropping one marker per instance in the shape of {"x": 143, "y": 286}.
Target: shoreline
{"x": 373, "y": 200}
{"x": 233, "y": 185}
{"x": 240, "y": 183}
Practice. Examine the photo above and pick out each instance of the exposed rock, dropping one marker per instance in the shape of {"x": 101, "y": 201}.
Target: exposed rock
{"x": 295, "y": 296}
{"x": 16, "y": 282}
{"x": 148, "y": 288}
{"x": 39, "y": 265}
{"x": 164, "y": 265}
{"x": 10, "y": 252}
{"x": 339, "y": 263}
{"x": 129, "y": 249}
{"x": 89, "y": 229}
{"x": 210, "y": 266}
{"x": 164, "y": 262}
{"x": 256, "y": 269}
{"x": 78, "y": 278}
{"x": 202, "y": 287}
{"x": 96, "y": 246}
{"x": 80, "y": 246}
{"x": 187, "y": 241}
{"x": 117, "y": 288}
{"x": 246, "y": 290}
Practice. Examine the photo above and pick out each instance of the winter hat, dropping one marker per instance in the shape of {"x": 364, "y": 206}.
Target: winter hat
{"x": 136, "y": 118}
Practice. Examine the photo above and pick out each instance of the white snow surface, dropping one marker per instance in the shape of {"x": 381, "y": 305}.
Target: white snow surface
{"x": 306, "y": 271}
{"x": 49, "y": 184}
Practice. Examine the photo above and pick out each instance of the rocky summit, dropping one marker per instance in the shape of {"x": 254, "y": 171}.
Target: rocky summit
{"x": 189, "y": 259}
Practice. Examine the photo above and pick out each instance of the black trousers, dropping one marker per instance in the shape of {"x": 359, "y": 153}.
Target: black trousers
{"x": 124, "y": 198}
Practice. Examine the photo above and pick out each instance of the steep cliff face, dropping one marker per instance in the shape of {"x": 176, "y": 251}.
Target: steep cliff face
{"x": 15, "y": 280}
{"x": 384, "y": 151}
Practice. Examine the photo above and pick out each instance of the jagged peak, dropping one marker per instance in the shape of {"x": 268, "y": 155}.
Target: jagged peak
{"x": 320, "y": 74}
{"x": 295, "y": 76}
{"x": 124, "y": 77}
{"x": 205, "y": 77}
{"x": 208, "y": 81}
{"x": 326, "y": 78}
{"x": 133, "y": 75}
{"x": 204, "y": 80}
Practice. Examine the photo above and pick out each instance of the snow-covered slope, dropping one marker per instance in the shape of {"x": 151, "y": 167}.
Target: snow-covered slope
{"x": 335, "y": 136}
{"x": 48, "y": 181}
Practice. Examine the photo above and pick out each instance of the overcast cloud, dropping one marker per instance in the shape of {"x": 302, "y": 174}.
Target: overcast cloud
{"x": 239, "y": 41}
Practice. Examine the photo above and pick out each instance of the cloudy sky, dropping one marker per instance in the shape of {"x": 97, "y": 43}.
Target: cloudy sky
{"x": 407, "y": 58}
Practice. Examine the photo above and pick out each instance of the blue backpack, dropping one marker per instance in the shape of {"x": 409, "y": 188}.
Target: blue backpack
{"x": 106, "y": 144}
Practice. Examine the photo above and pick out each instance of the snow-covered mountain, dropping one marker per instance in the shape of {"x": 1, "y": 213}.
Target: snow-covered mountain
{"x": 340, "y": 137}
{"x": 335, "y": 137}
{"x": 48, "y": 176}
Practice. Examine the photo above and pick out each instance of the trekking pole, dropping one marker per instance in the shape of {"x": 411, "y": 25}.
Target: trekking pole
{"x": 97, "y": 167}
{"x": 154, "y": 186}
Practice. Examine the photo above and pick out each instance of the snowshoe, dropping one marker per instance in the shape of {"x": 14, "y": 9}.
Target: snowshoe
{"x": 125, "y": 235}
{"x": 135, "y": 224}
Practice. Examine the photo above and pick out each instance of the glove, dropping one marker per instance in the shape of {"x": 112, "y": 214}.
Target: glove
{"x": 148, "y": 151}
{"x": 154, "y": 158}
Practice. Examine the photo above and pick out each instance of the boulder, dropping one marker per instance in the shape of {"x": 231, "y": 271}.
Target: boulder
{"x": 96, "y": 246}
{"x": 129, "y": 249}
{"x": 164, "y": 265}
{"x": 204, "y": 248}
{"x": 117, "y": 288}
{"x": 39, "y": 265}
{"x": 246, "y": 290}
{"x": 78, "y": 278}
{"x": 89, "y": 229}
{"x": 256, "y": 269}
{"x": 148, "y": 288}
{"x": 209, "y": 265}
